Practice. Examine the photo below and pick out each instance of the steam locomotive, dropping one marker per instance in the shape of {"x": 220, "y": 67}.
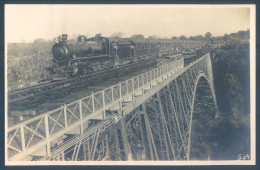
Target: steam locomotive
{"x": 86, "y": 56}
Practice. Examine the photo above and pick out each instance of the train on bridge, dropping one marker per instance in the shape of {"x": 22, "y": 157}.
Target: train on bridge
{"x": 86, "y": 56}
{"x": 91, "y": 55}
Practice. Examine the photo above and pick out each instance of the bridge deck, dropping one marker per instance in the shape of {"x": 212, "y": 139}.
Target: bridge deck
{"x": 42, "y": 131}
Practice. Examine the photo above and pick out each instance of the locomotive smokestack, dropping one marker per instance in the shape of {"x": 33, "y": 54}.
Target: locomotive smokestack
{"x": 64, "y": 37}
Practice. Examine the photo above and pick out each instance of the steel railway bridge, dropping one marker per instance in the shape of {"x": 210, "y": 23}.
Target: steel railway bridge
{"x": 148, "y": 117}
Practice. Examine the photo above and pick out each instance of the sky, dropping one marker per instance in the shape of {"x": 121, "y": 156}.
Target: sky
{"x": 28, "y": 22}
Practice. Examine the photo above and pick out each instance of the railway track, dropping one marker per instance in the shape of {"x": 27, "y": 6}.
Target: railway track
{"x": 52, "y": 100}
{"x": 29, "y": 92}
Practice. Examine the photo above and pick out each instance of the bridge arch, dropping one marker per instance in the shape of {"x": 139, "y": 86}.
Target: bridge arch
{"x": 202, "y": 83}
{"x": 171, "y": 111}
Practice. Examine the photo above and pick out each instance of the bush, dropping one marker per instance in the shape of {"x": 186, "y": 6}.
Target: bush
{"x": 27, "y": 63}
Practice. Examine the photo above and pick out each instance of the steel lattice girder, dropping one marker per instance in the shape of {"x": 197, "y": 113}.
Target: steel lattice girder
{"x": 174, "y": 105}
{"x": 164, "y": 125}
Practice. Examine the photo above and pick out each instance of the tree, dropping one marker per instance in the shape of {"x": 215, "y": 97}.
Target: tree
{"x": 225, "y": 38}
{"x": 137, "y": 36}
{"x": 243, "y": 34}
{"x": 117, "y": 35}
{"x": 183, "y": 37}
{"x": 193, "y": 38}
{"x": 41, "y": 45}
{"x": 153, "y": 37}
{"x": 217, "y": 39}
{"x": 248, "y": 33}
{"x": 208, "y": 36}
{"x": 174, "y": 38}
{"x": 39, "y": 41}
{"x": 199, "y": 37}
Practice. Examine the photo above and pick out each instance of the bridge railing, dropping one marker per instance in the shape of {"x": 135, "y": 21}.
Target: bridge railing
{"x": 45, "y": 128}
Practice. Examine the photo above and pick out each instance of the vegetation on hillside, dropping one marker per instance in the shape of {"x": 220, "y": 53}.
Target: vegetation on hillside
{"x": 226, "y": 137}
{"x": 27, "y": 62}
{"x": 230, "y": 136}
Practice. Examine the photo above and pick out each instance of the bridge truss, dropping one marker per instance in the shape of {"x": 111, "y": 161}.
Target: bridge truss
{"x": 148, "y": 117}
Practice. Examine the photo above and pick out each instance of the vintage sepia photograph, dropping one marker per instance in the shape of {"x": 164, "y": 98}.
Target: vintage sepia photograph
{"x": 96, "y": 84}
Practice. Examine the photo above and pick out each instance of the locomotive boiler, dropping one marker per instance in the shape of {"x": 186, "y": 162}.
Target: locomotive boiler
{"x": 64, "y": 51}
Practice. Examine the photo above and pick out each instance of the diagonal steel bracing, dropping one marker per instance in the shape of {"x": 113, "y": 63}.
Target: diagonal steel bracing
{"x": 148, "y": 117}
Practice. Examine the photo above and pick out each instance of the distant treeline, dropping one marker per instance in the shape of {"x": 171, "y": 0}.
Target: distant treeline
{"x": 233, "y": 37}
{"x": 39, "y": 46}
